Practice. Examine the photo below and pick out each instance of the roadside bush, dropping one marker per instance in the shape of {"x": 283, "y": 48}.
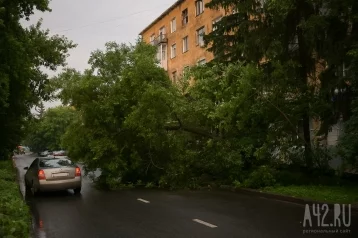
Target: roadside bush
{"x": 264, "y": 176}
{"x": 302, "y": 176}
{"x": 14, "y": 214}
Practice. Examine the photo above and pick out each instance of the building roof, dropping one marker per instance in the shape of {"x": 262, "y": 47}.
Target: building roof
{"x": 166, "y": 12}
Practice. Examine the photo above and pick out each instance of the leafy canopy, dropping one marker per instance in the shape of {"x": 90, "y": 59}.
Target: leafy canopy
{"x": 47, "y": 131}
{"x": 23, "y": 51}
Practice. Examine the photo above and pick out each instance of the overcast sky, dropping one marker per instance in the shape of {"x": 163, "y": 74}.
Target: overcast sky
{"x": 92, "y": 23}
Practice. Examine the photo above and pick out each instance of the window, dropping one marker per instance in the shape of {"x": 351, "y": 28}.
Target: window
{"x": 173, "y": 25}
{"x": 173, "y": 52}
{"x": 164, "y": 52}
{"x": 200, "y": 36}
{"x": 152, "y": 38}
{"x": 174, "y": 76}
{"x": 199, "y": 5}
{"x": 162, "y": 33}
{"x": 162, "y": 30}
{"x": 185, "y": 44}
{"x": 215, "y": 22}
{"x": 201, "y": 62}
{"x": 185, "y": 17}
{"x": 56, "y": 163}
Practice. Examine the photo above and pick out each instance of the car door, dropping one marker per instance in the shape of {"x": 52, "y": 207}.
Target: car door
{"x": 32, "y": 171}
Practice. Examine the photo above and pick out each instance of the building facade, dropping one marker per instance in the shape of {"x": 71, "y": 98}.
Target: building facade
{"x": 178, "y": 34}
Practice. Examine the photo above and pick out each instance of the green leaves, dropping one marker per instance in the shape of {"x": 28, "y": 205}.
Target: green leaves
{"x": 47, "y": 132}
{"x": 22, "y": 54}
{"x": 125, "y": 101}
{"x": 15, "y": 219}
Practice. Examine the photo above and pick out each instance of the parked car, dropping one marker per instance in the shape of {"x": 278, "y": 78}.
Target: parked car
{"x": 53, "y": 174}
{"x": 45, "y": 153}
{"x": 59, "y": 153}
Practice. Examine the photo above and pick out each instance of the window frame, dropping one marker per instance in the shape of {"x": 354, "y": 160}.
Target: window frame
{"x": 173, "y": 25}
{"x": 214, "y": 22}
{"x": 185, "y": 39}
{"x": 162, "y": 31}
{"x": 199, "y": 5}
{"x": 163, "y": 52}
{"x": 172, "y": 47}
{"x": 200, "y": 36}
{"x": 152, "y": 38}
{"x": 185, "y": 17}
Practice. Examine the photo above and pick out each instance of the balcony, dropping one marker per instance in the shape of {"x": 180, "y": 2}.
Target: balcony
{"x": 161, "y": 39}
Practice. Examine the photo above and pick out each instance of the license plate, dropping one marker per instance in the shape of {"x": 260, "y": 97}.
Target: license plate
{"x": 60, "y": 175}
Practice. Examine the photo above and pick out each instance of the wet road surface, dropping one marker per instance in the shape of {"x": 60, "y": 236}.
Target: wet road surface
{"x": 150, "y": 213}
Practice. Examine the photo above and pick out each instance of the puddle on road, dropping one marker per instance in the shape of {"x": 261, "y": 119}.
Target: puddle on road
{"x": 37, "y": 223}
{"x": 38, "y": 230}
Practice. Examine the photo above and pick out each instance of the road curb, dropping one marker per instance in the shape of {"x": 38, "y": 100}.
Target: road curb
{"x": 32, "y": 229}
{"x": 284, "y": 198}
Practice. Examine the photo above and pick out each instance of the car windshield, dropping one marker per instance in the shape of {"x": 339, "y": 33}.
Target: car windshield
{"x": 56, "y": 163}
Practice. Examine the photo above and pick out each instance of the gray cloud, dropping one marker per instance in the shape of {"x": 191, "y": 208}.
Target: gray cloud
{"x": 92, "y": 23}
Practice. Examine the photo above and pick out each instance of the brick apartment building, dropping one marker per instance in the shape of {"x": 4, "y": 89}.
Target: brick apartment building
{"x": 178, "y": 34}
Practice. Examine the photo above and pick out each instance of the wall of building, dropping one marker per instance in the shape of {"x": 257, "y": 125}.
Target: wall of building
{"x": 195, "y": 52}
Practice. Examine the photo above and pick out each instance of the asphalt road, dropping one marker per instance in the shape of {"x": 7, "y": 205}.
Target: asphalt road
{"x": 150, "y": 213}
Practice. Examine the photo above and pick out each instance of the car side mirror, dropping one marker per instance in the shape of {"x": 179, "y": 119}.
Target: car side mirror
{"x": 26, "y": 168}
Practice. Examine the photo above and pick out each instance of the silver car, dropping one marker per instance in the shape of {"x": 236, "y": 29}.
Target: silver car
{"x": 52, "y": 174}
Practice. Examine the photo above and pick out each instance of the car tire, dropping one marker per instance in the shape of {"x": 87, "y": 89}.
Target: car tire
{"x": 77, "y": 190}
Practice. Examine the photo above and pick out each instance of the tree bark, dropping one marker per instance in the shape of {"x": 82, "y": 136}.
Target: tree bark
{"x": 305, "y": 60}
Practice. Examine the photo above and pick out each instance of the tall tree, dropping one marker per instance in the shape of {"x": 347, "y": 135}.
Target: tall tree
{"x": 23, "y": 51}
{"x": 47, "y": 131}
{"x": 307, "y": 37}
{"x": 123, "y": 101}
{"x": 347, "y": 146}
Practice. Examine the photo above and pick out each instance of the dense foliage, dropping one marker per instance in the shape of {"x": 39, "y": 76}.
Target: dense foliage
{"x": 15, "y": 216}
{"x": 348, "y": 148}
{"x": 124, "y": 102}
{"x": 309, "y": 40}
{"x": 23, "y": 52}
{"x": 46, "y": 132}
{"x": 245, "y": 120}
{"x": 138, "y": 127}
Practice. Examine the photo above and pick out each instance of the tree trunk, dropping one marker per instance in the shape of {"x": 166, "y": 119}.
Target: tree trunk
{"x": 307, "y": 138}
{"x": 194, "y": 130}
{"x": 305, "y": 59}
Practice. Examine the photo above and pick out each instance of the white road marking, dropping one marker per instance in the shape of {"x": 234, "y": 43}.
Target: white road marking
{"x": 142, "y": 200}
{"x": 204, "y": 223}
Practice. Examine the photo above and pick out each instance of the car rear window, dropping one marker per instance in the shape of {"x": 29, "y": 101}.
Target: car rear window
{"x": 56, "y": 163}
